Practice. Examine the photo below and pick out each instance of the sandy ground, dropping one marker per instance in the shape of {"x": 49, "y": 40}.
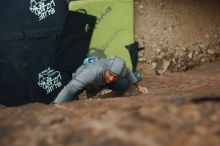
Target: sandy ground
{"x": 180, "y": 109}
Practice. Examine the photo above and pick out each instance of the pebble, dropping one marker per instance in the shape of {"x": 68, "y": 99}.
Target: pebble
{"x": 154, "y": 65}
{"x": 190, "y": 55}
{"x": 210, "y": 51}
{"x": 163, "y": 66}
{"x": 170, "y": 28}
{"x": 202, "y": 46}
{"x": 204, "y": 59}
{"x": 141, "y": 6}
{"x": 142, "y": 59}
{"x": 207, "y": 36}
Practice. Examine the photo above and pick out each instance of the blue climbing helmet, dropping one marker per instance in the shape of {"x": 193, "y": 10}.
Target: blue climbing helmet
{"x": 90, "y": 60}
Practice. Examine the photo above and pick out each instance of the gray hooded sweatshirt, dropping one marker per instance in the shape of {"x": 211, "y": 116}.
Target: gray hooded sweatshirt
{"x": 91, "y": 77}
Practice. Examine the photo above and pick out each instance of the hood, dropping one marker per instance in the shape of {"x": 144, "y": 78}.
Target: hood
{"x": 117, "y": 66}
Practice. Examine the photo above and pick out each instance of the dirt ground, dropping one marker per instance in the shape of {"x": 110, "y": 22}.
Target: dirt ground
{"x": 182, "y": 107}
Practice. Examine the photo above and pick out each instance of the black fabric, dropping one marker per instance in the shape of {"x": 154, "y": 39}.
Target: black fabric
{"x": 39, "y": 58}
{"x": 133, "y": 50}
{"x": 73, "y": 46}
{"x": 17, "y": 15}
{"x": 14, "y": 76}
{"x": 28, "y": 42}
{"x": 21, "y": 62}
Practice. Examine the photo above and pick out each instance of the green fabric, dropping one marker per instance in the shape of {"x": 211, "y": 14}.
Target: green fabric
{"x": 114, "y": 27}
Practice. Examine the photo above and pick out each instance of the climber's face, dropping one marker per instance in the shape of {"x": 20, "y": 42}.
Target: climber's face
{"x": 110, "y": 77}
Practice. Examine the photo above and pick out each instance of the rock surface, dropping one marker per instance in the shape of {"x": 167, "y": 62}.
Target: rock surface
{"x": 180, "y": 109}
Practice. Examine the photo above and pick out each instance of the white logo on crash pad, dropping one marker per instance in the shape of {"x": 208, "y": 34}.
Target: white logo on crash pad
{"x": 42, "y": 8}
{"x": 49, "y": 80}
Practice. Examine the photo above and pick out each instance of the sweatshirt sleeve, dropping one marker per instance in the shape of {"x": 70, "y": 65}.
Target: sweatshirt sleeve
{"x": 131, "y": 77}
{"x": 75, "y": 86}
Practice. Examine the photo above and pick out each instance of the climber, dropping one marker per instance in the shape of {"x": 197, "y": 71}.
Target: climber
{"x": 111, "y": 73}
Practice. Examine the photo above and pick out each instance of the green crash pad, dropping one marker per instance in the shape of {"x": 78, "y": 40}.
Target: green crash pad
{"x": 114, "y": 27}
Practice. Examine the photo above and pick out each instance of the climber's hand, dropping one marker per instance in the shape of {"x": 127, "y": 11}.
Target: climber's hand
{"x": 142, "y": 89}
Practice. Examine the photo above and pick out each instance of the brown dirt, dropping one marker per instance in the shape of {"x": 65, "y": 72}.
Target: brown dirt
{"x": 181, "y": 108}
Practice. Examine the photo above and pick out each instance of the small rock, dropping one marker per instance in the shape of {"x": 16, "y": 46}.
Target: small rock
{"x": 105, "y": 91}
{"x": 141, "y": 54}
{"x": 182, "y": 54}
{"x": 210, "y": 51}
{"x": 158, "y": 50}
{"x": 184, "y": 48}
{"x": 154, "y": 65}
{"x": 163, "y": 66}
{"x": 170, "y": 28}
{"x": 190, "y": 55}
{"x": 204, "y": 59}
{"x": 202, "y": 46}
{"x": 142, "y": 59}
{"x": 207, "y": 36}
{"x": 141, "y": 6}
{"x": 197, "y": 52}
